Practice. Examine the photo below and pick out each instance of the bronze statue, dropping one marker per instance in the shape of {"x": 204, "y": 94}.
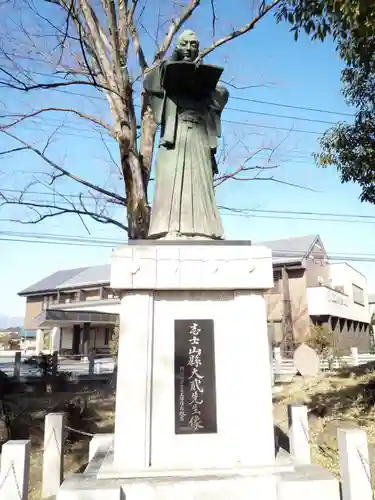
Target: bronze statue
{"x": 187, "y": 104}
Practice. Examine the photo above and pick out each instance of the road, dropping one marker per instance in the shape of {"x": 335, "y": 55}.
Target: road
{"x": 102, "y": 365}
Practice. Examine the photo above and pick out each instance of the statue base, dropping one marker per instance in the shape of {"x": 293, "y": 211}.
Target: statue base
{"x": 177, "y": 237}
{"x": 165, "y": 288}
{"x": 214, "y": 290}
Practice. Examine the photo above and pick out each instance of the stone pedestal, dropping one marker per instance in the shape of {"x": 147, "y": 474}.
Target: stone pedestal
{"x": 159, "y": 284}
{"x": 209, "y": 293}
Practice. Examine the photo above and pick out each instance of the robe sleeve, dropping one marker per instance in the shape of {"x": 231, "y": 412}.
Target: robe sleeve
{"x": 164, "y": 108}
{"x": 152, "y": 85}
{"x": 218, "y": 99}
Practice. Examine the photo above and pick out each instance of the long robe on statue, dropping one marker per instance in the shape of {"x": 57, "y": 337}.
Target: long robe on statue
{"x": 184, "y": 199}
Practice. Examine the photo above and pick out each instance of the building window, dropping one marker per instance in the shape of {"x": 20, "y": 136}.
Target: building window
{"x": 107, "y": 332}
{"x": 276, "y": 282}
{"x": 358, "y": 295}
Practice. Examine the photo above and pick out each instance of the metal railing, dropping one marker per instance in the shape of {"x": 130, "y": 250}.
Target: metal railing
{"x": 24, "y": 364}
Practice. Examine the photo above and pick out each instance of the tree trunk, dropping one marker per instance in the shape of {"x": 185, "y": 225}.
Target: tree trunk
{"x": 138, "y": 210}
{"x": 147, "y": 142}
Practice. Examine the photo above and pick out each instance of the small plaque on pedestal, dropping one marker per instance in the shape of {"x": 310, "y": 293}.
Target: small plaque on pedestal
{"x": 195, "y": 385}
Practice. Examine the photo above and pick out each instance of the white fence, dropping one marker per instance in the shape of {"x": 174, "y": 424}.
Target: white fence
{"x": 13, "y": 364}
{"x": 281, "y": 365}
{"x": 355, "y": 475}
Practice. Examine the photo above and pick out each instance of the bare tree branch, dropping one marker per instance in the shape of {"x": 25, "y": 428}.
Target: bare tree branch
{"x": 247, "y": 87}
{"x": 62, "y": 170}
{"x": 50, "y": 85}
{"x": 135, "y": 37}
{"x": 175, "y": 26}
{"x": 95, "y": 44}
{"x": 263, "y": 10}
{"x": 213, "y": 17}
{"x": 56, "y": 210}
{"x": 64, "y": 110}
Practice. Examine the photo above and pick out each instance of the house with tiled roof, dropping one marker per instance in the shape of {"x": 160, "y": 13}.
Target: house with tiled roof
{"x": 78, "y": 307}
{"x": 310, "y": 289}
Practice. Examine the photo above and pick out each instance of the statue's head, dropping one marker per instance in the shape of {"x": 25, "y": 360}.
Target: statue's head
{"x": 187, "y": 46}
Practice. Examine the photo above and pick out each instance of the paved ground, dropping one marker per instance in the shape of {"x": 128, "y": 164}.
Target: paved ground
{"x": 102, "y": 365}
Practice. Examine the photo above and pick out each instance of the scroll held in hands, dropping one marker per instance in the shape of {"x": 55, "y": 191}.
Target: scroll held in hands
{"x": 185, "y": 77}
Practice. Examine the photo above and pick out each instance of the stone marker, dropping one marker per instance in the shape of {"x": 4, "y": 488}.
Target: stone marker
{"x": 14, "y": 475}
{"x": 354, "y": 464}
{"x": 53, "y": 456}
{"x": 306, "y": 361}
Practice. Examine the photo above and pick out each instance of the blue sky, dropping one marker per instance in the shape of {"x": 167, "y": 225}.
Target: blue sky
{"x": 305, "y": 74}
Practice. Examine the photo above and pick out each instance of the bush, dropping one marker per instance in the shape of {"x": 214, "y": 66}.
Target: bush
{"x": 322, "y": 339}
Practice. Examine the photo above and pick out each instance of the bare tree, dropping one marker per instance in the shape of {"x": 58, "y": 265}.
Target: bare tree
{"x": 101, "y": 47}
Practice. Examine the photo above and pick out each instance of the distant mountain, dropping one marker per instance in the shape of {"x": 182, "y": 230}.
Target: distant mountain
{"x": 8, "y": 321}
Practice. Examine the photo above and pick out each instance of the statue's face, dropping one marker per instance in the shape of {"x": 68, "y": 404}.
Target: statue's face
{"x": 188, "y": 47}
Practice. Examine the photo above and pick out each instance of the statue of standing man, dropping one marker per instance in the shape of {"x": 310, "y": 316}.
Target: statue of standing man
{"x": 187, "y": 104}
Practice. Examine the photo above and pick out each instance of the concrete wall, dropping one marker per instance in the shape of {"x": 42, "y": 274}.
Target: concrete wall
{"x": 350, "y": 334}
{"x": 298, "y": 298}
{"x": 66, "y": 337}
{"x": 106, "y": 306}
{"x": 34, "y": 306}
{"x": 344, "y": 275}
{"x": 316, "y": 270}
{"x": 371, "y": 310}
{"x": 323, "y": 301}
{"x": 97, "y": 336}
{"x": 274, "y": 303}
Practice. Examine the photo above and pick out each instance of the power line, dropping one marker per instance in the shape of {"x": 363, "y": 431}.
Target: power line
{"x": 55, "y": 195}
{"x": 232, "y": 122}
{"x": 312, "y": 219}
{"x": 245, "y": 99}
{"x": 291, "y": 106}
{"x": 60, "y": 132}
{"x": 236, "y": 98}
{"x": 295, "y": 212}
{"x": 273, "y": 115}
{"x": 272, "y": 127}
{"x": 238, "y": 110}
{"x": 79, "y": 241}
{"x": 233, "y": 211}
{"x": 114, "y": 206}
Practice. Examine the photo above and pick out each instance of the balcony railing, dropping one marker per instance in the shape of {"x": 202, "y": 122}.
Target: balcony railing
{"x": 325, "y": 301}
{"x": 77, "y": 299}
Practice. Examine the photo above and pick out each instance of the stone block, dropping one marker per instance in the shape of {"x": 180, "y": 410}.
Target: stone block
{"x": 14, "y": 470}
{"x": 168, "y": 273}
{"x": 53, "y": 454}
{"x": 299, "y": 433}
{"x": 237, "y": 266}
{"x": 308, "y": 482}
{"x": 85, "y": 487}
{"x": 354, "y": 464}
{"x": 98, "y": 443}
{"x": 208, "y": 488}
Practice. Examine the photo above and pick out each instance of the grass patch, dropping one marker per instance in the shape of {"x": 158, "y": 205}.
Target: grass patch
{"x": 344, "y": 398}
{"x": 87, "y": 412}
{"x": 341, "y": 399}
